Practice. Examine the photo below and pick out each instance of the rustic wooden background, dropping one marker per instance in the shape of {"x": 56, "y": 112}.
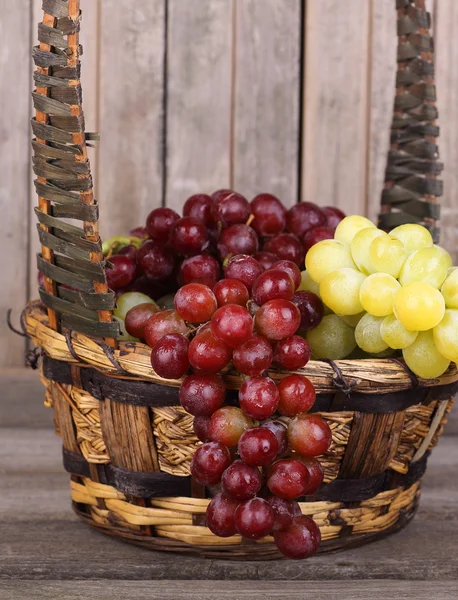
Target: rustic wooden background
{"x": 292, "y": 97}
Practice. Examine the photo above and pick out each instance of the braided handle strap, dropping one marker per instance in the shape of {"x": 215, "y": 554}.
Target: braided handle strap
{"x": 411, "y": 184}
{"x": 71, "y": 260}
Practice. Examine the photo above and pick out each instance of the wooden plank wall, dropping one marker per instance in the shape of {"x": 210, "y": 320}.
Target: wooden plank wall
{"x": 288, "y": 96}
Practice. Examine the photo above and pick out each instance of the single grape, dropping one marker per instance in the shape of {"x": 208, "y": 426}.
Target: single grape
{"x": 292, "y": 269}
{"x": 128, "y": 300}
{"x": 202, "y": 394}
{"x": 201, "y": 268}
{"x": 309, "y": 435}
{"x": 423, "y": 357}
{"x": 254, "y": 519}
{"x": 284, "y": 511}
{"x": 429, "y": 265}
{"x": 353, "y": 320}
{"x": 349, "y": 227}
{"x": 130, "y": 251}
{"x": 286, "y": 246}
{"x": 228, "y": 424}
{"x": 292, "y": 353}
{"x": 340, "y": 290}
{"x": 162, "y": 323}
{"x": 137, "y": 317}
{"x": 446, "y": 335}
{"x": 166, "y": 302}
{"x": 169, "y": 357}
{"x": 449, "y": 289}
{"x": 231, "y": 291}
{"x": 195, "y": 303}
{"x": 280, "y": 432}
{"x": 315, "y": 473}
{"x": 368, "y": 336}
{"x": 244, "y": 268}
{"x": 387, "y": 254}
{"x": 218, "y": 194}
{"x": 259, "y": 397}
{"x": 272, "y": 285}
{"x": 269, "y": 215}
{"x": 317, "y": 234}
{"x": 419, "y": 306}
{"x": 241, "y": 481}
{"x": 414, "y": 237}
{"x": 159, "y": 223}
{"x": 277, "y": 319}
{"x": 220, "y": 516}
{"x": 300, "y": 540}
{"x": 199, "y": 207}
{"x": 209, "y": 462}
{"x": 155, "y": 261}
{"x": 208, "y": 354}
{"x": 377, "y": 294}
{"x": 266, "y": 259}
{"x": 360, "y": 245}
{"x": 325, "y": 257}
{"x": 332, "y": 339}
{"x": 189, "y": 236}
{"x": 201, "y": 428}
{"x": 395, "y": 334}
{"x": 311, "y": 308}
{"x": 304, "y": 216}
{"x": 123, "y": 335}
{"x": 139, "y": 231}
{"x": 253, "y": 357}
{"x": 258, "y": 446}
{"x": 297, "y": 395}
{"x": 121, "y": 273}
{"x": 333, "y": 216}
{"x": 238, "y": 239}
{"x": 232, "y": 324}
{"x": 230, "y": 208}
{"x": 288, "y": 479}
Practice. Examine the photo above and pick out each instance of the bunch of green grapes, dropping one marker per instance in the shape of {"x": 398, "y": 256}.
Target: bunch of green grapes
{"x": 385, "y": 293}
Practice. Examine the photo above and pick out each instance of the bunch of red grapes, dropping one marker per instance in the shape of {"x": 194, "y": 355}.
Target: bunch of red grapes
{"x": 259, "y": 449}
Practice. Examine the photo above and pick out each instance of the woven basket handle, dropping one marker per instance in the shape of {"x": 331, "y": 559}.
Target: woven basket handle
{"x": 411, "y": 184}
{"x": 71, "y": 260}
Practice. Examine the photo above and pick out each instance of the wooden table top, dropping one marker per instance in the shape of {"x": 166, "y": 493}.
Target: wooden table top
{"x": 45, "y": 552}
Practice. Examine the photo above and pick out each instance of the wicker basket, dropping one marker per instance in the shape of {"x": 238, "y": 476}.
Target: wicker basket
{"x": 127, "y": 443}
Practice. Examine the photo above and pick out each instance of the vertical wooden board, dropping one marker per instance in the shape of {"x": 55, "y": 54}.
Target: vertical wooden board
{"x": 14, "y": 169}
{"x": 446, "y": 44}
{"x": 131, "y": 84}
{"x": 266, "y": 98}
{"x": 199, "y": 72}
{"x": 336, "y": 103}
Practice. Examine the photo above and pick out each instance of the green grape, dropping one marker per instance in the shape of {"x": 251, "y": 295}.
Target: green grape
{"x": 367, "y": 335}
{"x": 377, "y": 294}
{"x": 327, "y": 256}
{"x": 387, "y": 255}
{"x": 340, "y": 291}
{"x": 414, "y": 237}
{"x": 444, "y": 252}
{"x": 419, "y": 306}
{"x": 423, "y": 357}
{"x": 428, "y": 264}
{"x": 352, "y": 320}
{"x": 360, "y": 245}
{"x": 123, "y": 335}
{"x": 395, "y": 334}
{"x": 349, "y": 227}
{"x": 449, "y": 289}
{"x": 445, "y": 335}
{"x": 127, "y": 301}
{"x": 332, "y": 338}
{"x": 166, "y": 302}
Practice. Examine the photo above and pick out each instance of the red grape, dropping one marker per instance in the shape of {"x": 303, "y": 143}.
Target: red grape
{"x": 200, "y": 426}
{"x": 315, "y": 471}
{"x": 280, "y": 432}
{"x": 311, "y": 308}
{"x": 266, "y": 259}
{"x": 169, "y": 357}
{"x": 272, "y": 285}
{"x": 218, "y": 194}
{"x": 258, "y": 397}
{"x": 228, "y": 424}
{"x": 286, "y": 246}
{"x": 198, "y": 207}
{"x": 155, "y": 261}
{"x": 230, "y": 208}
{"x": 201, "y": 268}
{"x": 153, "y": 288}
{"x": 122, "y": 273}
{"x": 288, "y": 479}
{"x": 254, "y": 356}
{"x": 209, "y": 354}
{"x": 159, "y": 223}
{"x": 300, "y": 540}
{"x": 309, "y": 435}
{"x": 220, "y": 516}
{"x": 241, "y": 481}
{"x": 292, "y": 353}
{"x": 291, "y": 268}
{"x": 162, "y": 323}
{"x": 269, "y": 215}
{"x": 315, "y": 235}
{"x": 130, "y": 251}
{"x": 189, "y": 236}
{"x": 137, "y": 317}
{"x": 297, "y": 395}
{"x": 277, "y": 319}
{"x": 201, "y": 395}
{"x": 284, "y": 511}
{"x": 231, "y": 291}
{"x": 209, "y": 462}
{"x": 139, "y": 231}
{"x": 254, "y": 519}
{"x": 258, "y": 446}
{"x": 195, "y": 303}
{"x": 232, "y": 324}
{"x": 238, "y": 239}
{"x": 244, "y": 268}
{"x": 303, "y": 216}
{"x": 333, "y": 216}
